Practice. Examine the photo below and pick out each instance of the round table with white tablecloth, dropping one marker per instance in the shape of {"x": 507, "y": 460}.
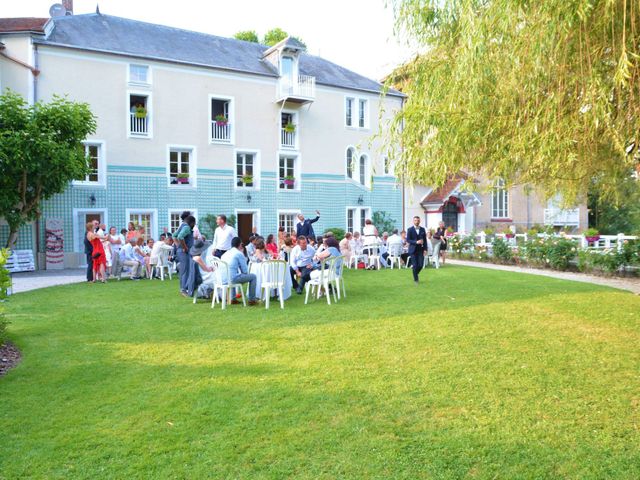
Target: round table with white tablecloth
{"x": 256, "y": 269}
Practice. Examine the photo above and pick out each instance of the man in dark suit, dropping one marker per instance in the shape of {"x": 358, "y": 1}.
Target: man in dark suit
{"x": 304, "y": 226}
{"x": 88, "y": 251}
{"x": 417, "y": 240}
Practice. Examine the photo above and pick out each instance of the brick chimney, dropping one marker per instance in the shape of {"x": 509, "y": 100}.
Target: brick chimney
{"x": 68, "y": 6}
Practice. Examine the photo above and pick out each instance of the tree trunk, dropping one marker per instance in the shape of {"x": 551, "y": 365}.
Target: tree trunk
{"x": 13, "y": 237}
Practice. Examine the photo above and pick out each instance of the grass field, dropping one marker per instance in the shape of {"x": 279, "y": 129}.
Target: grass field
{"x": 473, "y": 374}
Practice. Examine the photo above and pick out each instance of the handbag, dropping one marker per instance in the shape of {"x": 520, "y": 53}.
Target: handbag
{"x": 96, "y": 255}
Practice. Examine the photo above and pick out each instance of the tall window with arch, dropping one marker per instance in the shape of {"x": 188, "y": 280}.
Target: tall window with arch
{"x": 362, "y": 168}
{"x": 350, "y": 159}
{"x": 499, "y": 200}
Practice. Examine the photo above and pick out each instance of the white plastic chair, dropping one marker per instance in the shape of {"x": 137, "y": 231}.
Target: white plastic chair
{"x": 395, "y": 255}
{"x": 162, "y": 265}
{"x": 373, "y": 252}
{"x": 337, "y": 276}
{"x": 224, "y": 287}
{"x": 273, "y": 277}
{"x": 327, "y": 273}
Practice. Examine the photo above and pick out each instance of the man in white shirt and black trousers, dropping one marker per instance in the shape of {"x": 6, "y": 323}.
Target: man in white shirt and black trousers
{"x": 417, "y": 240}
{"x": 222, "y": 236}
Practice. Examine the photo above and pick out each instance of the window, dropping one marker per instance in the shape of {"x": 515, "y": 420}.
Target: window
{"x": 221, "y": 120}
{"x": 174, "y": 221}
{"x": 350, "y": 154}
{"x": 362, "y": 113}
{"x": 363, "y": 169}
{"x": 245, "y": 167}
{"x": 181, "y": 166}
{"x": 139, "y": 74}
{"x": 356, "y": 218}
{"x": 174, "y": 218}
{"x": 386, "y": 165}
{"x": 499, "y": 200}
{"x": 287, "y": 179}
{"x": 287, "y": 221}
{"x": 349, "y": 112}
{"x": 139, "y": 115}
{"x": 145, "y": 220}
{"x": 95, "y": 151}
{"x": 351, "y": 214}
{"x": 288, "y": 130}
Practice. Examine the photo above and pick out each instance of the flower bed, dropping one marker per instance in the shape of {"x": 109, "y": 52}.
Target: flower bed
{"x": 554, "y": 252}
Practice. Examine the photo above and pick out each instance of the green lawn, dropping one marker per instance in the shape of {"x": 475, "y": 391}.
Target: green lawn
{"x": 472, "y": 374}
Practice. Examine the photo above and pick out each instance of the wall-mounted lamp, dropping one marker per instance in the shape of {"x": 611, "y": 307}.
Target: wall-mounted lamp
{"x": 248, "y": 198}
{"x": 360, "y": 200}
{"x": 92, "y": 199}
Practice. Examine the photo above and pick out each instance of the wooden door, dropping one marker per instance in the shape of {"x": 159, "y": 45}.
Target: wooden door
{"x": 245, "y": 225}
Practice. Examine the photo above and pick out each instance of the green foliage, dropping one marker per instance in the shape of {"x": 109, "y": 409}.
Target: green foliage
{"x": 620, "y": 214}
{"x": 276, "y": 35}
{"x": 41, "y": 151}
{"x": 5, "y": 283}
{"x": 591, "y": 232}
{"x": 207, "y": 225}
{"x": 502, "y": 251}
{"x": 247, "y": 36}
{"x": 231, "y": 220}
{"x": 383, "y": 221}
{"x": 373, "y": 386}
{"x": 534, "y": 92}
{"x": 338, "y": 233}
{"x": 561, "y": 252}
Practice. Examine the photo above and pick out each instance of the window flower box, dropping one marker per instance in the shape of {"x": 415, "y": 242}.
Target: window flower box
{"x": 290, "y": 128}
{"x": 221, "y": 120}
{"x": 289, "y": 181}
{"x": 140, "y": 112}
{"x": 182, "y": 178}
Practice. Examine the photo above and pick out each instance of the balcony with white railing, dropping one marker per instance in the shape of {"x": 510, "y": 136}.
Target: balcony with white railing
{"x": 287, "y": 138}
{"x": 220, "y": 132}
{"x": 138, "y": 126}
{"x": 300, "y": 90}
{"x": 557, "y": 216}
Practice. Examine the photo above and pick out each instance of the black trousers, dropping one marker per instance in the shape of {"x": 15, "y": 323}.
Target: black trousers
{"x": 89, "y": 267}
{"x": 417, "y": 260}
{"x": 219, "y": 253}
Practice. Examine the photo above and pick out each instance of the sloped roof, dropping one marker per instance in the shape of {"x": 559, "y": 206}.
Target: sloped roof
{"x": 439, "y": 195}
{"x": 22, "y": 24}
{"x": 106, "y": 33}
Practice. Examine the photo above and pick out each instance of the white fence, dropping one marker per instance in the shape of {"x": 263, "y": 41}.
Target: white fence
{"x": 220, "y": 132}
{"x": 138, "y": 125}
{"x": 604, "y": 242}
{"x": 287, "y": 139}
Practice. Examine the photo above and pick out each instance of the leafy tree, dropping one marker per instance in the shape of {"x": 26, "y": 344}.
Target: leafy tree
{"x": 41, "y": 151}
{"x": 613, "y": 217}
{"x": 247, "y": 36}
{"x": 383, "y": 221}
{"x": 540, "y": 92}
{"x": 276, "y": 35}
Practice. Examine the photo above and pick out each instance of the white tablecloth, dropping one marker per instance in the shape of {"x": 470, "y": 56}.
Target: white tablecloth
{"x": 256, "y": 269}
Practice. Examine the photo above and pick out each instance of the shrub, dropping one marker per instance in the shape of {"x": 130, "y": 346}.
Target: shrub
{"x": 560, "y": 253}
{"x": 338, "y": 233}
{"x": 591, "y": 232}
{"x": 383, "y": 221}
{"x": 502, "y": 251}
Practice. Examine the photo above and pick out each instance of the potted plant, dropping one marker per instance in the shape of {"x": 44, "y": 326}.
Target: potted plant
{"x": 289, "y": 180}
{"x": 509, "y": 233}
{"x": 182, "y": 178}
{"x": 140, "y": 111}
{"x": 290, "y": 128}
{"x": 247, "y": 179}
{"x": 591, "y": 235}
{"x": 449, "y": 232}
{"x": 221, "y": 120}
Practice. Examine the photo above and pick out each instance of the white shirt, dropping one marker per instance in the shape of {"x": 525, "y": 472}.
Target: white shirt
{"x": 304, "y": 256}
{"x": 223, "y": 236}
{"x": 115, "y": 247}
{"x": 394, "y": 243}
{"x": 155, "y": 251}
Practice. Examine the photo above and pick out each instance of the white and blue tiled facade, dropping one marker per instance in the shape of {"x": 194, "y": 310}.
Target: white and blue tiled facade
{"x": 146, "y": 189}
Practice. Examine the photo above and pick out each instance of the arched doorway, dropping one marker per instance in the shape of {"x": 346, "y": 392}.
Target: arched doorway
{"x": 450, "y": 215}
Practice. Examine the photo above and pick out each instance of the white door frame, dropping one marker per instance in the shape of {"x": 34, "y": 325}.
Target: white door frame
{"x": 256, "y": 220}
{"x": 78, "y": 245}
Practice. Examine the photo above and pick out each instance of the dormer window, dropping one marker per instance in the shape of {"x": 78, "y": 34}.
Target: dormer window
{"x": 139, "y": 74}
{"x": 293, "y": 87}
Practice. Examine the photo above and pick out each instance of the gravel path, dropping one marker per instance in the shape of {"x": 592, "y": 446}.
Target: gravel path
{"x": 631, "y": 284}
{"x": 23, "y": 282}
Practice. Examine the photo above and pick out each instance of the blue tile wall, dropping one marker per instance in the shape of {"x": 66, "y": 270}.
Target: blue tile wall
{"x": 130, "y": 187}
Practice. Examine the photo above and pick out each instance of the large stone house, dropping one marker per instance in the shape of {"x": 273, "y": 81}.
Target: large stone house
{"x": 192, "y": 121}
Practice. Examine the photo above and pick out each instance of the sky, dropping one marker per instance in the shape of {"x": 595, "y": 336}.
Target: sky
{"x": 356, "y": 34}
